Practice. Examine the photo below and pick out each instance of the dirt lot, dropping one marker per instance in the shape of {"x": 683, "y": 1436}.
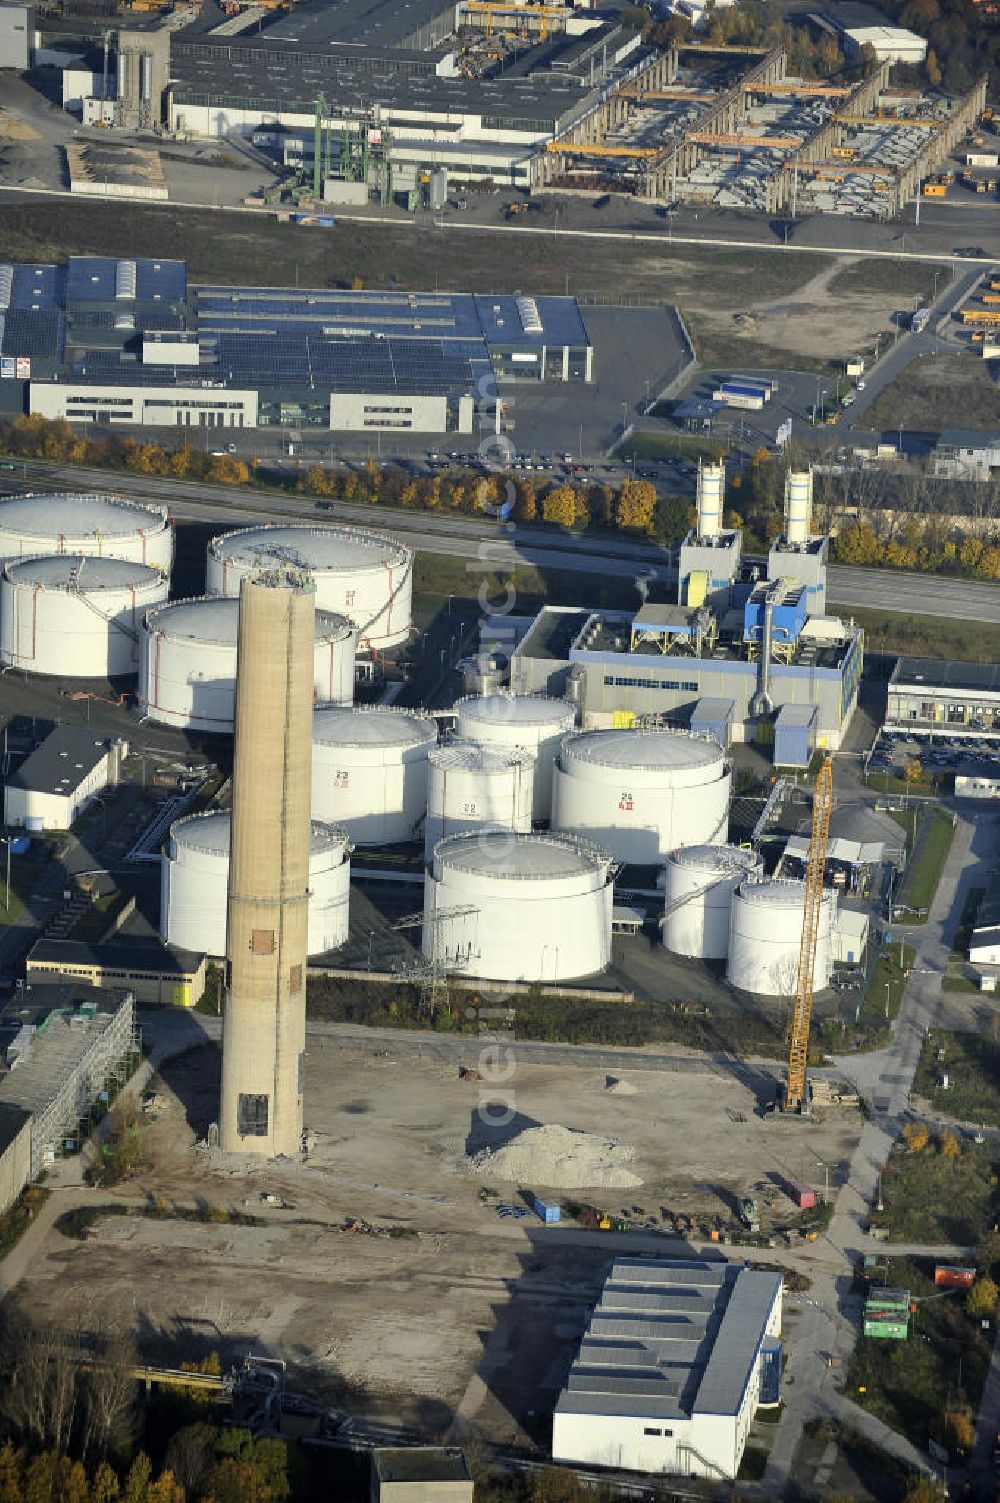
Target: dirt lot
{"x": 938, "y": 392}
{"x": 475, "y": 1315}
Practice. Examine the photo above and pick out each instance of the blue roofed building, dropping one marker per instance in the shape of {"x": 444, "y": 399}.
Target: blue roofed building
{"x": 131, "y": 343}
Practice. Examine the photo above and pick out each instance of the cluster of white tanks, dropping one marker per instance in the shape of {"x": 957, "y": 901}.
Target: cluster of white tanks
{"x": 194, "y": 877}
{"x": 187, "y": 663}
{"x": 78, "y": 574}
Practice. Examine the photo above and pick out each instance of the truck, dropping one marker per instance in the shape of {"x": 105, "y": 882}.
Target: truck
{"x": 753, "y": 383}
{"x": 747, "y": 401}
{"x": 920, "y": 320}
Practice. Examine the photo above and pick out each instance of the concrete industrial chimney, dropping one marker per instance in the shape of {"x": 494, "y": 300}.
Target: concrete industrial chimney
{"x": 711, "y": 494}
{"x": 263, "y": 1044}
{"x": 798, "y": 506}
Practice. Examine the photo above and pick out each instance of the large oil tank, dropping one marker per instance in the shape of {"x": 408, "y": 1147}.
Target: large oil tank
{"x": 369, "y": 772}
{"x": 641, "y": 794}
{"x": 471, "y": 786}
{"x": 532, "y": 721}
{"x": 699, "y": 882}
{"x": 75, "y": 616}
{"x": 541, "y": 906}
{"x": 105, "y": 526}
{"x": 194, "y": 878}
{"x": 765, "y": 936}
{"x": 187, "y": 663}
{"x": 359, "y": 573}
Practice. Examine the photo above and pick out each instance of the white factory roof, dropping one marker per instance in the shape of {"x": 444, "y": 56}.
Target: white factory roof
{"x": 80, "y": 571}
{"x": 66, "y": 514}
{"x": 497, "y": 853}
{"x": 520, "y": 709}
{"x": 670, "y": 1340}
{"x": 372, "y": 726}
{"x": 466, "y": 756}
{"x": 334, "y": 549}
{"x": 215, "y": 619}
{"x": 211, "y": 833}
{"x": 632, "y": 749}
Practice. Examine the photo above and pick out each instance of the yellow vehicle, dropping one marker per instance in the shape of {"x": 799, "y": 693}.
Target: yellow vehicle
{"x": 934, "y": 190}
{"x": 833, "y": 417}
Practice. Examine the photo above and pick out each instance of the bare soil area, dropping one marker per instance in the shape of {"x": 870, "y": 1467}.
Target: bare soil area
{"x": 460, "y": 1313}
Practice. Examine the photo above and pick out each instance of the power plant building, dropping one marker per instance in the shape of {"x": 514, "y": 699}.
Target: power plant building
{"x": 668, "y": 1376}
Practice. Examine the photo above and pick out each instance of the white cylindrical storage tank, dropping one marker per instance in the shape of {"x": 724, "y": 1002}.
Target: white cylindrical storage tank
{"x": 642, "y": 793}
{"x": 369, "y": 772}
{"x": 798, "y": 505}
{"x": 194, "y": 879}
{"x": 699, "y": 882}
{"x": 471, "y": 786}
{"x": 532, "y": 721}
{"x": 105, "y": 526}
{"x": 710, "y": 499}
{"x": 187, "y": 663}
{"x": 359, "y": 573}
{"x": 765, "y": 935}
{"x": 542, "y": 906}
{"x": 74, "y": 616}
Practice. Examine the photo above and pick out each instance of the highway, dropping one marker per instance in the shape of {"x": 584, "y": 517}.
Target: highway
{"x": 486, "y": 546}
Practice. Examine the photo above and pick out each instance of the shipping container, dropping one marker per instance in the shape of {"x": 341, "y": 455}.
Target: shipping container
{"x": 747, "y": 389}
{"x": 803, "y": 1195}
{"x": 547, "y": 1211}
{"x": 950, "y": 1276}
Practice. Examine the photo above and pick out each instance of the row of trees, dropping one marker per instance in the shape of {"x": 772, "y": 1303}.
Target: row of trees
{"x": 202, "y": 1462}
{"x": 54, "y": 440}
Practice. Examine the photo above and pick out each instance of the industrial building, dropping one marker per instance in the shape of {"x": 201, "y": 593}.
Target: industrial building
{"x": 420, "y": 1474}
{"x": 928, "y": 695}
{"x": 57, "y": 781}
{"x": 130, "y": 343}
{"x": 59, "y": 1061}
{"x": 152, "y": 972}
{"x": 965, "y": 454}
{"x": 737, "y": 657}
{"x": 15, "y": 1153}
{"x": 669, "y": 1373}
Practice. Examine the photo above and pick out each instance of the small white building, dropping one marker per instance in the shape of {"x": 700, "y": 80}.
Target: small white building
{"x": 890, "y": 44}
{"x": 984, "y": 941}
{"x": 978, "y": 780}
{"x": 60, "y": 778}
{"x": 850, "y": 937}
{"x": 668, "y": 1375}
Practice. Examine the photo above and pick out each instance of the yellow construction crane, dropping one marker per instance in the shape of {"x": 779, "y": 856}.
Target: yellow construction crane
{"x": 796, "y": 1089}
{"x": 492, "y": 9}
{"x": 816, "y": 90}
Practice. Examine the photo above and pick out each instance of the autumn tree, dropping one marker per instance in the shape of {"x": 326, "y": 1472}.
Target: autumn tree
{"x": 922, "y": 1488}
{"x": 636, "y": 505}
{"x": 949, "y": 1146}
{"x": 561, "y": 506}
{"x": 981, "y": 1300}
{"x": 916, "y": 1136}
{"x": 958, "y": 1430}
{"x": 526, "y": 500}
{"x": 226, "y": 469}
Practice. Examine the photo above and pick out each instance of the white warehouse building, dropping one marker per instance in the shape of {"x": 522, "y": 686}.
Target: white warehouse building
{"x": 187, "y": 663}
{"x": 60, "y": 778}
{"x": 671, "y": 1368}
{"x": 106, "y": 526}
{"x": 194, "y": 879}
{"x": 73, "y": 616}
{"x": 539, "y": 906}
{"x": 642, "y": 793}
{"x": 364, "y": 575}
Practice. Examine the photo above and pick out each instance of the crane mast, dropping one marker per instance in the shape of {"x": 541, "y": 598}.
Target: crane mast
{"x": 796, "y": 1090}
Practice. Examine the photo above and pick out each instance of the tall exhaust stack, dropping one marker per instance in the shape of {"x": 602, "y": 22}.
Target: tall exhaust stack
{"x": 711, "y": 493}
{"x": 798, "y": 507}
{"x": 263, "y": 1043}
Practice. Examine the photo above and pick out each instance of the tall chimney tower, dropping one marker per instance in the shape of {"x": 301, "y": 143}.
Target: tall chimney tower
{"x": 263, "y": 1042}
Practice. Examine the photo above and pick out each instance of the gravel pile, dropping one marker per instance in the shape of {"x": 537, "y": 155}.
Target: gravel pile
{"x": 559, "y": 1159}
{"x": 620, "y": 1087}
